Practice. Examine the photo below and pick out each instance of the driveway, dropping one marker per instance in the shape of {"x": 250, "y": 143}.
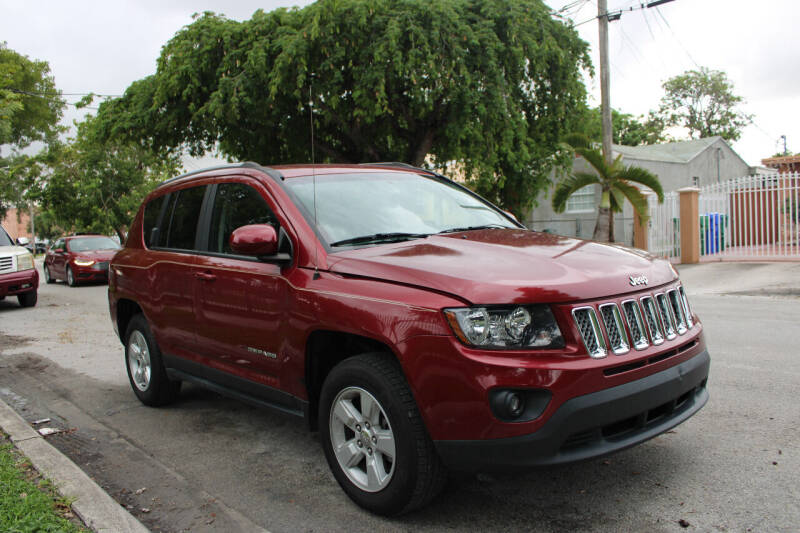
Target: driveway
{"x": 212, "y": 464}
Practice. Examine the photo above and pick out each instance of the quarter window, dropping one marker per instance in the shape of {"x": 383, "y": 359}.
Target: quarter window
{"x": 150, "y": 227}
{"x": 236, "y": 205}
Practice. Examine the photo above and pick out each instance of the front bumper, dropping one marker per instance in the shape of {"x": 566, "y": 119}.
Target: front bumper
{"x": 594, "y": 424}
{"x": 18, "y": 282}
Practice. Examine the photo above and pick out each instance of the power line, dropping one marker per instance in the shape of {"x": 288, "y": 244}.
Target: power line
{"x": 56, "y": 95}
{"x": 617, "y": 13}
{"x": 676, "y": 37}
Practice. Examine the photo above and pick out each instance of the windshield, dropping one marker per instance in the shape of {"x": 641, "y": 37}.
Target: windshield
{"x": 5, "y": 240}
{"x": 90, "y": 244}
{"x": 390, "y": 204}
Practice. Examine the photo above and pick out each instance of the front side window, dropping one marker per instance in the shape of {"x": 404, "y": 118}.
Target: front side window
{"x": 349, "y": 206}
{"x": 236, "y": 205}
{"x": 184, "y": 217}
{"x": 90, "y": 244}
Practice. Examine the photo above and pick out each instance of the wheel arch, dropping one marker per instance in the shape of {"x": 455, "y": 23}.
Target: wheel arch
{"x": 324, "y": 350}
{"x": 126, "y": 310}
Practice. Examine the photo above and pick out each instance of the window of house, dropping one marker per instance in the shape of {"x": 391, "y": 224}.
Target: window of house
{"x": 582, "y": 200}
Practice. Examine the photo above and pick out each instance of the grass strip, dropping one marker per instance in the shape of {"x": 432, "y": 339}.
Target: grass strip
{"x": 28, "y": 502}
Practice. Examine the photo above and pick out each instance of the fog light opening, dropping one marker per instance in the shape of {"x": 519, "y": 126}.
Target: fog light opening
{"x": 514, "y": 404}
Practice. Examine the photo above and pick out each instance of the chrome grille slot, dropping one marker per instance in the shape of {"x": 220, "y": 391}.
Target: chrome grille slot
{"x": 686, "y": 308}
{"x": 666, "y": 316}
{"x": 634, "y": 318}
{"x": 586, "y": 320}
{"x": 677, "y": 311}
{"x": 653, "y": 322}
{"x": 617, "y": 337}
{"x": 6, "y": 264}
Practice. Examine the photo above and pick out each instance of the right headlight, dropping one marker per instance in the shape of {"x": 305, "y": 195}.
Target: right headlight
{"x": 506, "y": 327}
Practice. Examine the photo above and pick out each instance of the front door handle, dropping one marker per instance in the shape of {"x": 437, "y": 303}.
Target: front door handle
{"x": 205, "y": 276}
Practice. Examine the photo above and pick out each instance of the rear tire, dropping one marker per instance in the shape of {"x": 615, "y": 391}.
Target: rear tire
{"x": 374, "y": 440}
{"x": 145, "y": 367}
{"x": 71, "y": 277}
{"x": 27, "y": 299}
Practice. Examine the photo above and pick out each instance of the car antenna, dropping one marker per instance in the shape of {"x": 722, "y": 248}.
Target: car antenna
{"x": 313, "y": 170}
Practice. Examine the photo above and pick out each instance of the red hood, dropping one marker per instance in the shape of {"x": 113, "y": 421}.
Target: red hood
{"x": 96, "y": 255}
{"x": 497, "y": 266}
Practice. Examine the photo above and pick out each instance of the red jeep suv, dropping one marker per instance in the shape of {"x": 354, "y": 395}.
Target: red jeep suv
{"x": 415, "y": 325}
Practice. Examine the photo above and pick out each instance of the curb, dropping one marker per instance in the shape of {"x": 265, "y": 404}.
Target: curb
{"x": 91, "y": 503}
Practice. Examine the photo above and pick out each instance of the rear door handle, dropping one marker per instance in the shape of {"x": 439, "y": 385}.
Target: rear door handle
{"x": 205, "y": 276}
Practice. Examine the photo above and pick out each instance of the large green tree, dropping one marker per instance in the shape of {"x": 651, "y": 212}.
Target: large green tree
{"x": 703, "y": 102}
{"x": 30, "y": 105}
{"x": 95, "y": 184}
{"x": 616, "y": 183}
{"x": 488, "y": 85}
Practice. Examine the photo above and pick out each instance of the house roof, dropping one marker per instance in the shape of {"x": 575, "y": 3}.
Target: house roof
{"x": 674, "y": 152}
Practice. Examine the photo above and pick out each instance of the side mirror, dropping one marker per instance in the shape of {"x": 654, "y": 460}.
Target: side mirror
{"x": 256, "y": 239}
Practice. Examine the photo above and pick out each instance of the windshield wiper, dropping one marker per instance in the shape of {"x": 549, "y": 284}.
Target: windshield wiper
{"x": 470, "y": 228}
{"x": 380, "y": 237}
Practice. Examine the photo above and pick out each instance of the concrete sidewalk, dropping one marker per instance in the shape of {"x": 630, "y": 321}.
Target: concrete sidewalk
{"x": 91, "y": 503}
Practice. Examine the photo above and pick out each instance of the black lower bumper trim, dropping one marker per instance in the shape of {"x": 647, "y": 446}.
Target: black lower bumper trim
{"x": 594, "y": 424}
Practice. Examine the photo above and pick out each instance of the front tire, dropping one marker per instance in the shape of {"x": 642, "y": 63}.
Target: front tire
{"x": 374, "y": 439}
{"x": 27, "y": 299}
{"x": 71, "y": 277}
{"x": 145, "y": 367}
{"x": 47, "y": 277}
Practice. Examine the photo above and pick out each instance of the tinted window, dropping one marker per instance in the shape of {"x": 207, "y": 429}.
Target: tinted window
{"x": 183, "y": 223}
{"x": 89, "y": 244}
{"x": 58, "y": 244}
{"x": 5, "y": 240}
{"x": 151, "y": 213}
{"x": 236, "y": 205}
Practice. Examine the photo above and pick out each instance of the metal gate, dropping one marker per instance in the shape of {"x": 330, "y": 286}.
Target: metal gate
{"x": 664, "y": 227}
{"x": 753, "y": 217}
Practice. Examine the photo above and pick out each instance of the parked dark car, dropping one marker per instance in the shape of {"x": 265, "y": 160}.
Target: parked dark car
{"x": 414, "y": 324}
{"x": 79, "y": 258}
{"x": 18, "y": 275}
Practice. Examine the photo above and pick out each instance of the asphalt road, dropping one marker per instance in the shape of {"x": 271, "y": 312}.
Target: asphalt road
{"x": 213, "y": 464}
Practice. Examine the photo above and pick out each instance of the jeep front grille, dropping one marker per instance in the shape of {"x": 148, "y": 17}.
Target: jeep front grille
{"x": 661, "y": 317}
{"x": 617, "y": 336}
{"x": 586, "y": 320}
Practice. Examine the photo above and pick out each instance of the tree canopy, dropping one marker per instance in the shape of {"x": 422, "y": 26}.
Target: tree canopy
{"x": 627, "y": 129}
{"x": 30, "y": 105}
{"x": 703, "y": 102}
{"x": 489, "y": 85}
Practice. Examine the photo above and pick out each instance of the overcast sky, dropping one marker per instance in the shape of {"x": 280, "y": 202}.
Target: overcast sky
{"x": 103, "y": 46}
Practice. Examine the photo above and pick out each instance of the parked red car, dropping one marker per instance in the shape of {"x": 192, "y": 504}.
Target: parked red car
{"x": 18, "y": 275}
{"x": 414, "y": 324}
{"x": 79, "y": 258}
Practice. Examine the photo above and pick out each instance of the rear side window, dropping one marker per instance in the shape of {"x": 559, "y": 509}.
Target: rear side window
{"x": 150, "y": 227}
{"x": 236, "y": 205}
{"x": 184, "y": 217}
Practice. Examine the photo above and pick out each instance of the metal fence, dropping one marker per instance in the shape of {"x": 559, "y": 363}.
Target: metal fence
{"x": 664, "y": 227}
{"x": 753, "y": 217}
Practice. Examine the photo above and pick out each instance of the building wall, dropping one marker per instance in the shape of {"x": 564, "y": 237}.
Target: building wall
{"x": 717, "y": 163}
{"x": 17, "y": 223}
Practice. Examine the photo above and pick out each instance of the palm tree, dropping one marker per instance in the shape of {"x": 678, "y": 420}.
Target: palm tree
{"x": 615, "y": 180}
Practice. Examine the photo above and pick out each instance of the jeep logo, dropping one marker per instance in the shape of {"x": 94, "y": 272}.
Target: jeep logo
{"x": 638, "y": 280}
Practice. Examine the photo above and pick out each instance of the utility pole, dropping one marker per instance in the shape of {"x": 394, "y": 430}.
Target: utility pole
{"x": 605, "y": 78}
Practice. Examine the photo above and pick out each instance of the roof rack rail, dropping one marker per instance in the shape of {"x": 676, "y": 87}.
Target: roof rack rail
{"x": 246, "y": 164}
{"x": 389, "y": 164}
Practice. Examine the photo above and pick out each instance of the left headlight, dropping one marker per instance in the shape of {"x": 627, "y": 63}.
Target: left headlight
{"x": 25, "y": 262}
{"x": 83, "y": 262}
{"x": 510, "y": 327}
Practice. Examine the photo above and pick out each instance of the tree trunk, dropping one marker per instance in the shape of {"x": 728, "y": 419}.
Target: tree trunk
{"x": 610, "y": 225}
{"x": 601, "y": 227}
